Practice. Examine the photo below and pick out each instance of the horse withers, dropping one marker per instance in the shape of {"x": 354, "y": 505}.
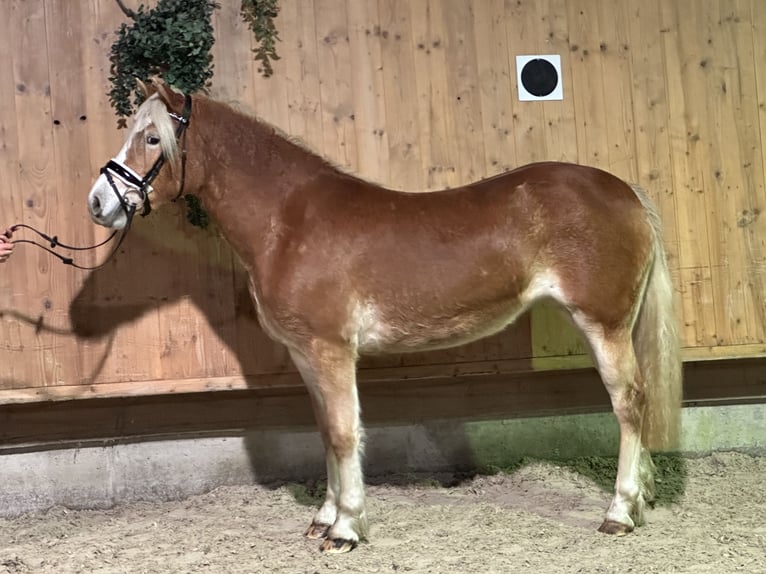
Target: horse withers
{"x": 339, "y": 267}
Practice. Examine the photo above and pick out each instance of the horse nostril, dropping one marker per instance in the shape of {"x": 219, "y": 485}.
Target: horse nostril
{"x": 95, "y": 205}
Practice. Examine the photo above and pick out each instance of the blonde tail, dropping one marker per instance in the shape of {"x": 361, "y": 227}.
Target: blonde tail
{"x": 657, "y": 346}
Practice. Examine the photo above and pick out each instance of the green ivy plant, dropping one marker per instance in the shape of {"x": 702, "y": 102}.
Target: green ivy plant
{"x": 174, "y": 40}
{"x": 259, "y": 15}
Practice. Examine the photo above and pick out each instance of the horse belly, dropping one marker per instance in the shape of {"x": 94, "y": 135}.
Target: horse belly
{"x": 381, "y": 334}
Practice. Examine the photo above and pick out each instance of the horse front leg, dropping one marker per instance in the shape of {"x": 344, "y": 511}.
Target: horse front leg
{"x": 329, "y": 372}
{"x": 328, "y": 512}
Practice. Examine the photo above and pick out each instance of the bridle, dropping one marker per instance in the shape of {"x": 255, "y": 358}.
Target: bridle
{"x": 140, "y": 185}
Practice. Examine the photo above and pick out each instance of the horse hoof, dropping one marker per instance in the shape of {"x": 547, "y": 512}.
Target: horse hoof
{"x": 317, "y": 531}
{"x": 337, "y": 545}
{"x": 615, "y": 528}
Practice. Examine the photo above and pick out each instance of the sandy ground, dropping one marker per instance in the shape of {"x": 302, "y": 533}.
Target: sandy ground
{"x": 540, "y": 517}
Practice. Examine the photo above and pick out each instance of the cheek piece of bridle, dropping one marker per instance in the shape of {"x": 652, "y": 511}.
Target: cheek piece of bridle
{"x": 139, "y": 185}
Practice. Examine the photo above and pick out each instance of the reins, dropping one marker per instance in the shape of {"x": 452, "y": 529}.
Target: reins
{"x": 129, "y": 177}
{"x": 54, "y": 243}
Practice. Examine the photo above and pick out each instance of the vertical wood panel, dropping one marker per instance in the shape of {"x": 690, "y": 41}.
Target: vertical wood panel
{"x": 559, "y": 116}
{"x": 463, "y": 99}
{"x": 368, "y": 91}
{"x": 73, "y": 175}
{"x": 650, "y": 113}
{"x": 437, "y": 128}
{"x": 334, "y": 65}
{"x": 588, "y": 82}
{"x": 524, "y": 36}
{"x": 495, "y": 88}
{"x": 298, "y": 50}
{"x": 13, "y": 278}
{"x": 739, "y": 171}
{"x": 614, "y": 53}
{"x": 686, "y": 112}
{"x": 399, "y": 76}
{"x": 37, "y": 180}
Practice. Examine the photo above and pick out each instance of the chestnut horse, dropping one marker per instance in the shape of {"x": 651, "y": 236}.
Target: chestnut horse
{"x": 340, "y": 267}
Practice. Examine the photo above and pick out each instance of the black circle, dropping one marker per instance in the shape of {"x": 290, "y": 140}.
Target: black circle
{"x": 539, "y": 77}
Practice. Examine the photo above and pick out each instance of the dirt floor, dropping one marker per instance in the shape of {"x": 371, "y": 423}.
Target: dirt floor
{"x": 539, "y": 517}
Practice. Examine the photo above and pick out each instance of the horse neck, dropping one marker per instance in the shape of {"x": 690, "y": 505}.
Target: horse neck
{"x": 247, "y": 169}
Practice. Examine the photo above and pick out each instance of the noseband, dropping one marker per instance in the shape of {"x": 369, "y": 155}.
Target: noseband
{"x": 142, "y": 185}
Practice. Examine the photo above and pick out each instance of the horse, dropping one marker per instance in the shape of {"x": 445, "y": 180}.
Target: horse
{"x": 341, "y": 267}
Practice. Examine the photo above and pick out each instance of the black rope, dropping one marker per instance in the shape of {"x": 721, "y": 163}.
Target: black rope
{"x": 54, "y": 242}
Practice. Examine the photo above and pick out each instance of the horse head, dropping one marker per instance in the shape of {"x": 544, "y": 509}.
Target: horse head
{"x": 137, "y": 177}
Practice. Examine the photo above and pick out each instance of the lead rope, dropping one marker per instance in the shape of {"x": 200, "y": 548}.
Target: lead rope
{"x": 54, "y": 243}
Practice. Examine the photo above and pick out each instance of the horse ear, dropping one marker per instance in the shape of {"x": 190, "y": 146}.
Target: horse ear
{"x": 143, "y": 89}
{"x": 172, "y": 98}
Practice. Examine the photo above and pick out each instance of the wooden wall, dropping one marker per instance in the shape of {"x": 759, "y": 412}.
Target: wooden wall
{"x": 417, "y": 95}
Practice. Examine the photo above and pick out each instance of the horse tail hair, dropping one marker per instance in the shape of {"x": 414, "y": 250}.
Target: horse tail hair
{"x": 657, "y": 346}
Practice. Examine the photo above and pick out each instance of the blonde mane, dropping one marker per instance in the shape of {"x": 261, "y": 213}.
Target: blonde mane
{"x": 155, "y": 109}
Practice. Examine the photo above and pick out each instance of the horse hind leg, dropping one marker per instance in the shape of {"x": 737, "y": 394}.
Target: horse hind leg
{"x": 617, "y": 364}
{"x": 330, "y": 375}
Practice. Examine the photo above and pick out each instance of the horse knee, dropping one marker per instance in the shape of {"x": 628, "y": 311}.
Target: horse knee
{"x": 344, "y": 439}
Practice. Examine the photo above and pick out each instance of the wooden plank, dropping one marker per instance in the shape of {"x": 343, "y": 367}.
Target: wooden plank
{"x": 588, "y": 82}
{"x": 738, "y": 161}
{"x": 614, "y": 53}
{"x": 298, "y": 50}
{"x": 399, "y": 73}
{"x": 727, "y": 290}
{"x": 495, "y": 88}
{"x": 233, "y": 59}
{"x": 559, "y": 122}
{"x": 73, "y": 175}
{"x": 37, "y": 181}
{"x": 13, "y": 278}
{"x": 650, "y": 112}
{"x": 463, "y": 91}
{"x": 431, "y": 96}
{"x": 334, "y": 59}
{"x": 758, "y": 15}
{"x": 481, "y": 398}
{"x": 686, "y": 112}
{"x": 368, "y": 91}
{"x": 396, "y": 374}
{"x": 525, "y": 36}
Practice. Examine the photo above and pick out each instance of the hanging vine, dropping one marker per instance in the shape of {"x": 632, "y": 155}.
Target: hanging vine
{"x": 260, "y": 15}
{"x": 175, "y": 39}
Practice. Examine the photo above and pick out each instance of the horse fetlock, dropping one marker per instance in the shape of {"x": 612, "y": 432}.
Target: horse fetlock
{"x": 349, "y": 527}
{"x": 327, "y": 514}
{"x": 638, "y": 511}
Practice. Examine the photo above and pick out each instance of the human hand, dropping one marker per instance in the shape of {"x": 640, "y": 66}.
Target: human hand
{"x": 6, "y": 247}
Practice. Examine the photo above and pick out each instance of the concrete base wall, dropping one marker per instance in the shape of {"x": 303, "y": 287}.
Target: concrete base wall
{"x": 106, "y": 474}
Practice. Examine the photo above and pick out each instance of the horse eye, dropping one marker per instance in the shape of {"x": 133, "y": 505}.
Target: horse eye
{"x": 152, "y": 140}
